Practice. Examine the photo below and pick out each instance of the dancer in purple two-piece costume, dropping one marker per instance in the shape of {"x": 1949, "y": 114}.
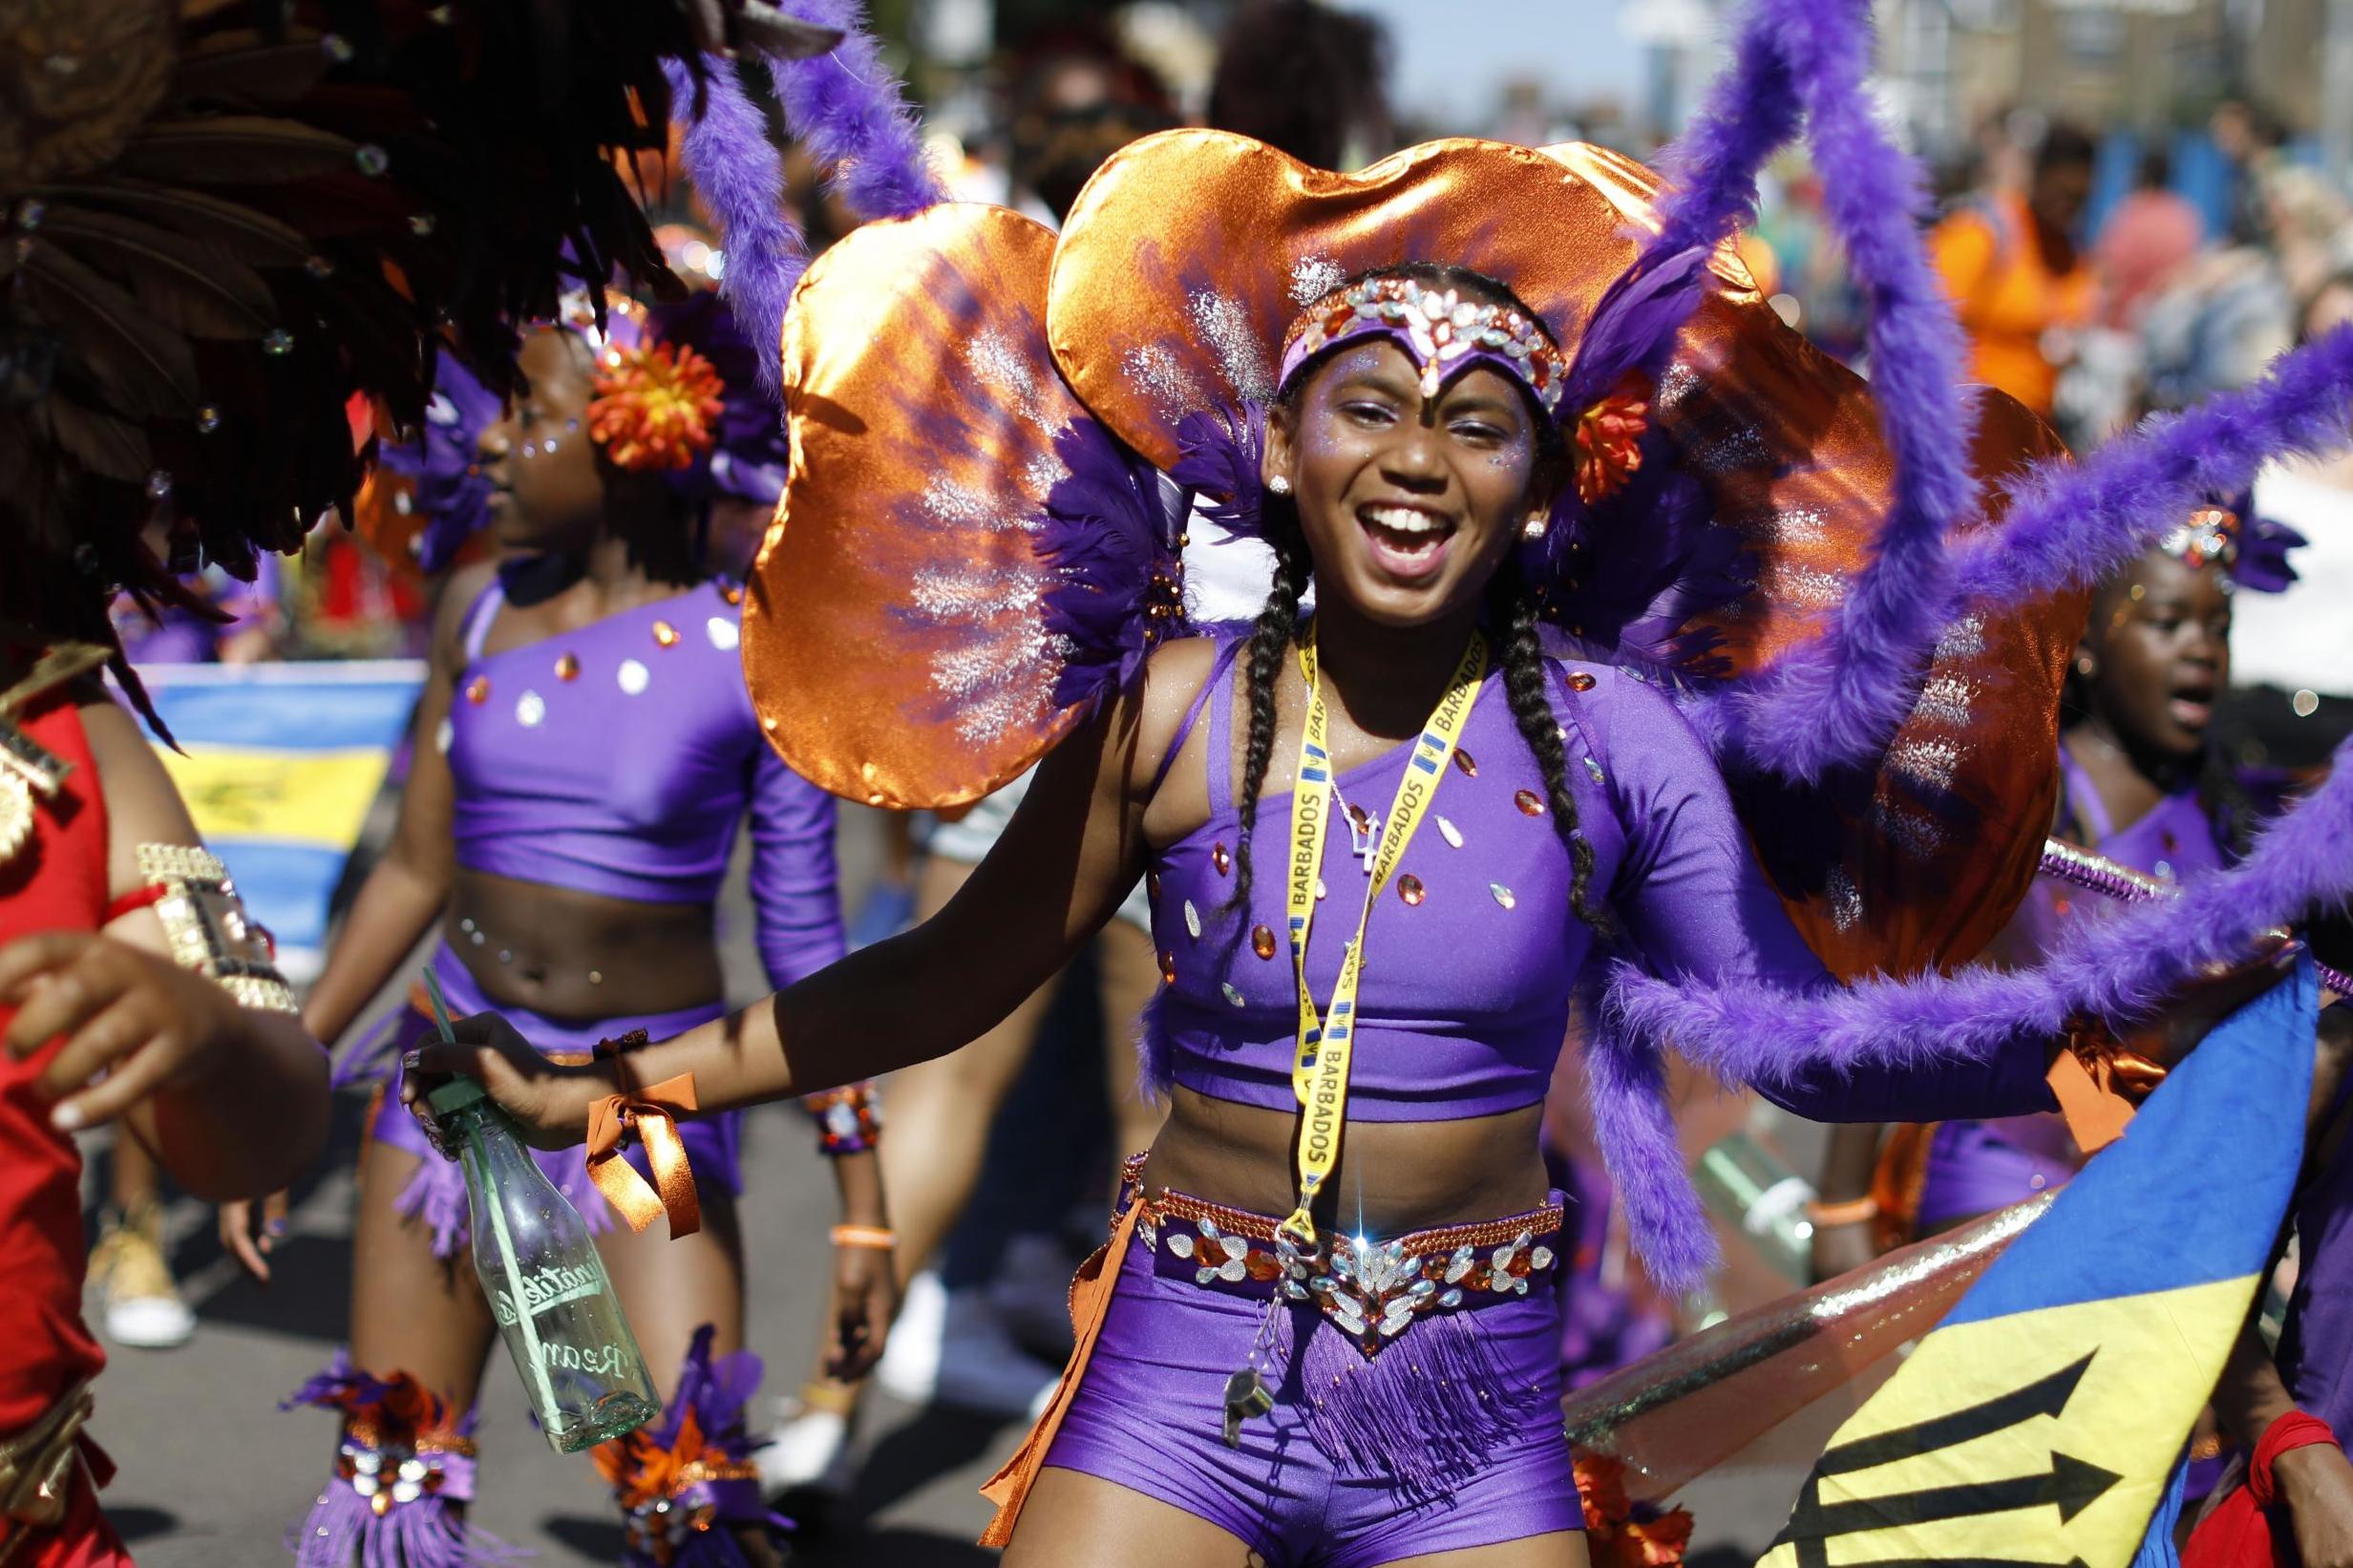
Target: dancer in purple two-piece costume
{"x": 588, "y": 758}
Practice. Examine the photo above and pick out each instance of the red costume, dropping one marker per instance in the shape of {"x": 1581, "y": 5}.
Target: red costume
{"x": 56, "y": 881}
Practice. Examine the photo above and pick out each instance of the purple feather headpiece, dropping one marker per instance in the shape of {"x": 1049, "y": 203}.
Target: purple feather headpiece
{"x": 443, "y": 464}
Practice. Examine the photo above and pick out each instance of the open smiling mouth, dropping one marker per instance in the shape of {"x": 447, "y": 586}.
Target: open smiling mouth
{"x": 2192, "y": 704}
{"x": 1406, "y": 541}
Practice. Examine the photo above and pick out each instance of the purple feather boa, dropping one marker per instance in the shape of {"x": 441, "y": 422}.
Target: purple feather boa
{"x": 846, "y": 106}
{"x": 736, "y": 169}
{"x": 2119, "y": 968}
{"x": 1838, "y": 699}
{"x": 2070, "y": 527}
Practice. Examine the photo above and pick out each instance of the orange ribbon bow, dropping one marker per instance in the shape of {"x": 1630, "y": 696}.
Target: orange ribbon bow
{"x": 651, "y": 1113}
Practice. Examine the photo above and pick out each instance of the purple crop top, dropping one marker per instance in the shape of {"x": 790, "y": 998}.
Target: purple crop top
{"x": 1464, "y": 1002}
{"x": 620, "y": 758}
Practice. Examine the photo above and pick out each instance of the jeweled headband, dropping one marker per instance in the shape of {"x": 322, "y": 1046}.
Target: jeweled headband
{"x": 1443, "y": 331}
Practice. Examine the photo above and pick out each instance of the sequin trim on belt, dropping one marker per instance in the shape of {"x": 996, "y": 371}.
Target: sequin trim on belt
{"x": 1370, "y": 1290}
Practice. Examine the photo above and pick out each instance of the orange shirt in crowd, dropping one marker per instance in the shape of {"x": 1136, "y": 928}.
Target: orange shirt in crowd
{"x": 2007, "y": 297}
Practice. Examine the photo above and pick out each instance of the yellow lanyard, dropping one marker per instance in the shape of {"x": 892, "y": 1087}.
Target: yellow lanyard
{"x": 1320, "y": 1071}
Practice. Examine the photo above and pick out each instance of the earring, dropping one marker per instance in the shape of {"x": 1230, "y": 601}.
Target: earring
{"x": 2085, "y": 665}
{"x": 1279, "y": 485}
{"x": 1534, "y": 528}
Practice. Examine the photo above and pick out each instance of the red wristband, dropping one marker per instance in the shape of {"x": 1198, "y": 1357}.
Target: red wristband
{"x": 2293, "y": 1430}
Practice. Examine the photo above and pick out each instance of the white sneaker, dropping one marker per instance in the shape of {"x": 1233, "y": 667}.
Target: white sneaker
{"x": 142, "y": 1306}
{"x": 809, "y": 1453}
{"x": 948, "y": 1350}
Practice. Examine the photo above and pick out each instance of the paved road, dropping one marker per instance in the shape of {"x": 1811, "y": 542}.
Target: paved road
{"x": 212, "y": 1474}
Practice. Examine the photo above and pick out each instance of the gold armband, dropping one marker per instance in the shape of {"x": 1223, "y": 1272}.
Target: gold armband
{"x": 206, "y": 923}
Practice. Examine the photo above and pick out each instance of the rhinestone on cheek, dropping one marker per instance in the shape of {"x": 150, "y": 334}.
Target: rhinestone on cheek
{"x": 1262, "y": 943}
{"x": 1409, "y": 888}
{"x": 1529, "y": 802}
{"x": 1467, "y": 763}
{"x": 477, "y": 691}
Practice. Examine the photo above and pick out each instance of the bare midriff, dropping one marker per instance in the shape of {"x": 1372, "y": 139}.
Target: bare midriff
{"x": 582, "y": 956}
{"x": 1393, "y": 1177}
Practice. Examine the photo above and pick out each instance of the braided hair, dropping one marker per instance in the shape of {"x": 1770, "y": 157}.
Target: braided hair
{"x": 1512, "y": 613}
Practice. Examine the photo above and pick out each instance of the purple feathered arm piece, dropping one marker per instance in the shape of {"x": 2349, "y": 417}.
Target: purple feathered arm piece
{"x": 2120, "y": 968}
{"x": 1838, "y": 699}
{"x": 2070, "y": 527}
{"x": 847, "y": 108}
{"x": 736, "y": 169}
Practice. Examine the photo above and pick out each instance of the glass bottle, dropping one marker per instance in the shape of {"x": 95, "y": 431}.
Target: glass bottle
{"x": 1745, "y": 1182}
{"x": 545, "y": 1282}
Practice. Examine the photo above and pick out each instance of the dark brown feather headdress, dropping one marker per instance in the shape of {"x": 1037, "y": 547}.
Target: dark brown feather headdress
{"x": 233, "y": 236}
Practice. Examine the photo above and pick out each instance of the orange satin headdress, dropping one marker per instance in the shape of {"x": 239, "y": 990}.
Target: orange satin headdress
{"x": 954, "y": 381}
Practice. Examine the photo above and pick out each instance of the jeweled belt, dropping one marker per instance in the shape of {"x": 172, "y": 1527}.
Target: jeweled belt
{"x": 1370, "y": 1290}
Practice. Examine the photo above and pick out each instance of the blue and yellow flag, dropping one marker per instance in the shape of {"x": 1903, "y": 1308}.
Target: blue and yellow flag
{"x": 2041, "y": 1421}
{"x": 281, "y": 763}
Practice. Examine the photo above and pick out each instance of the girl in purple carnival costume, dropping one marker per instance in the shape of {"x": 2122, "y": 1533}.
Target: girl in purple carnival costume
{"x": 1654, "y": 665}
{"x": 586, "y": 755}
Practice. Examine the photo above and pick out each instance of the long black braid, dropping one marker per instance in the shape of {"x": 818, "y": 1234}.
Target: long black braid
{"x": 1270, "y": 641}
{"x": 1512, "y": 612}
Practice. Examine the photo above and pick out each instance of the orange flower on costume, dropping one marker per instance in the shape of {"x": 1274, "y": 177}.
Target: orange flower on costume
{"x": 1609, "y": 439}
{"x": 1621, "y": 1532}
{"x": 656, "y": 407}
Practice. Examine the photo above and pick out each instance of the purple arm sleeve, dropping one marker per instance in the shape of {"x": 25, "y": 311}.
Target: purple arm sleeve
{"x": 1695, "y": 906}
{"x": 792, "y": 883}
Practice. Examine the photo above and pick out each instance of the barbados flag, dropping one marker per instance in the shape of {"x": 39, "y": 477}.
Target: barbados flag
{"x": 2040, "y": 1422}
{"x": 279, "y": 763}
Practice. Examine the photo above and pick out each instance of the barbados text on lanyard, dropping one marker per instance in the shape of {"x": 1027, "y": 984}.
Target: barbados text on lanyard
{"x": 1320, "y": 1071}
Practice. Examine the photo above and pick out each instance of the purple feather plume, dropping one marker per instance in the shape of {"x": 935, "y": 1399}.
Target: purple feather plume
{"x": 1838, "y": 698}
{"x": 443, "y": 464}
{"x": 847, "y": 107}
{"x": 2069, "y": 526}
{"x": 2121, "y": 968}
{"x": 1218, "y": 455}
{"x": 1107, "y": 542}
{"x": 735, "y": 167}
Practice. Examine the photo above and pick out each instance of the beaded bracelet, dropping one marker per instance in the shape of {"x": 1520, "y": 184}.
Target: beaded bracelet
{"x": 849, "y": 1120}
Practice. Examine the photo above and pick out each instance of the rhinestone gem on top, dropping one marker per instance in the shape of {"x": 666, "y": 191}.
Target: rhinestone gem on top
{"x": 1262, "y": 943}
{"x": 1467, "y": 763}
{"x": 666, "y": 634}
{"x": 1409, "y": 888}
{"x": 1193, "y": 920}
{"x": 477, "y": 691}
{"x": 1529, "y": 802}
{"x": 568, "y": 668}
{"x": 1449, "y": 832}
{"x": 530, "y": 709}
{"x": 1502, "y": 895}
{"x": 725, "y": 635}
{"x": 1580, "y": 680}
{"x": 1221, "y": 858}
{"x": 632, "y": 677}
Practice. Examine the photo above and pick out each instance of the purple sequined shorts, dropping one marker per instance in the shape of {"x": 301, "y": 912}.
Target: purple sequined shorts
{"x": 436, "y": 1194}
{"x": 1446, "y": 1435}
